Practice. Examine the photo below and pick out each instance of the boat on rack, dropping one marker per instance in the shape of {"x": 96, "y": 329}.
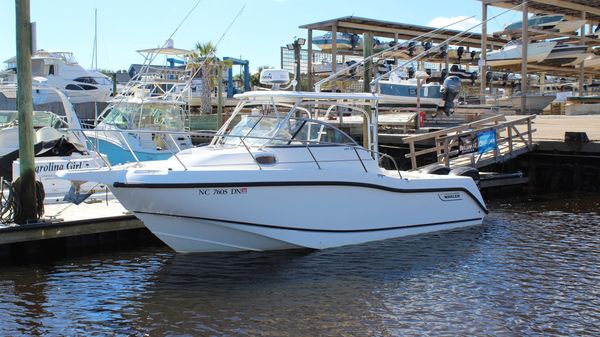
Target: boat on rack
{"x": 343, "y": 41}
{"x": 565, "y": 53}
{"x": 154, "y": 105}
{"x": 511, "y": 53}
{"x": 554, "y": 22}
{"x": 58, "y": 146}
{"x": 283, "y": 179}
{"x": 399, "y": 92}
{"x": 535, "y": 103}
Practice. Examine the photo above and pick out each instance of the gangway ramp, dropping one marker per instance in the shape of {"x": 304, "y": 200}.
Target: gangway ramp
{"x": 477, "y": 144}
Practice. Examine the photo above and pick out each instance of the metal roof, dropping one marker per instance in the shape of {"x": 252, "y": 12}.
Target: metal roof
{"x": 405, "y": 31}
{"x": 571, "y": 8}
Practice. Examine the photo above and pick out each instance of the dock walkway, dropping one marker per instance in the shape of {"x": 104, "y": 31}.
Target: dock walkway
{"x": 68, "y": 220}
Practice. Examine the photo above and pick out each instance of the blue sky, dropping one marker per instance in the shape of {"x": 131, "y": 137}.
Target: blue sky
{"x": 127, "y": 25}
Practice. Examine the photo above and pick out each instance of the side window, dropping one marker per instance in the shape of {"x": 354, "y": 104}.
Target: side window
{"x": 89, "y": 80}
{"x": 73, "y": 87}
{"x": 51, "y": 69}
{"x": 80, "y": 87}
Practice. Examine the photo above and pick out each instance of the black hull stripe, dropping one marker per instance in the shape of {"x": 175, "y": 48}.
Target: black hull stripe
{"x": 309, "y": 229}
{"x": 303, "y": 183}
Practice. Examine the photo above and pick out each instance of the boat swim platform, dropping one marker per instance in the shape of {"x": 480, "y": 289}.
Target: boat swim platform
{"x": 88, "y": 225}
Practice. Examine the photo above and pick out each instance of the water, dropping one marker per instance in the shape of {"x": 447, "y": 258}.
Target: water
{"x": 532, "y": 269}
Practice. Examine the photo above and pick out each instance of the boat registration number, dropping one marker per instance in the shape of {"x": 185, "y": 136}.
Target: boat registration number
{"x": 223, "y": 191}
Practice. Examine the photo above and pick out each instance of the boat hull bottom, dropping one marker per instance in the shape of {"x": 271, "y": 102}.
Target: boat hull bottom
{"x": 195, "y": 235}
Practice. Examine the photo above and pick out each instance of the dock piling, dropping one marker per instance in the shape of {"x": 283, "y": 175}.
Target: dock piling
{"x": 27, "y": 186}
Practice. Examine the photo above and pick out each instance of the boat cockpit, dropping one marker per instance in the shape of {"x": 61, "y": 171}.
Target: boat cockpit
{"x": 288, "y": 120}
{"x": 146, "y": 116}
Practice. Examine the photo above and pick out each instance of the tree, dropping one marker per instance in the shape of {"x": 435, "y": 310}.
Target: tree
{"x": 204, "y": 58}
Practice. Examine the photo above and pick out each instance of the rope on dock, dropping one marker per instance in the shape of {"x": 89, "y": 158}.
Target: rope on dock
{"x": 10, "y": 203}
{"x": 6, "y": 202}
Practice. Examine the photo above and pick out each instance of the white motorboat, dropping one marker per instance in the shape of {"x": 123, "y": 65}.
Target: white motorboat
{"x": 534, "y": 103}
{"x": 282, "y": 179}
{"x": 343, "y": 41}
{"x": 566, "y": 54}
{"x": 554, "y": 22}
{"x": 61, "y": 71}
{"x": 151, "y": 102}
{"x": 512, "y": 52}
{"x": 58, "y": 146}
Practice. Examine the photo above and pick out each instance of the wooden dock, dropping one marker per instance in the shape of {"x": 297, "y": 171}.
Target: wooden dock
{"x": 550, "y": 134}
{"x": 66, "y": 226}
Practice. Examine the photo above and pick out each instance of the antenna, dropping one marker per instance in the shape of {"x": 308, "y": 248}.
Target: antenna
{"x": 95, "y": 48}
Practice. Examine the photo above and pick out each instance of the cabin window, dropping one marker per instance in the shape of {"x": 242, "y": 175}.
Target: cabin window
{"x": 51, "y": 69}
{"x": 73, "y": 87}
{"x": 80, "y": 87}
{"x": 86, "y": 79}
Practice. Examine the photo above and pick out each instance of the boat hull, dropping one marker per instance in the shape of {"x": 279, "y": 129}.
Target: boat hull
{"x": 404, "y": 95}
{"x": 534, "y": 103}
{"x": 536, "y": 52}
{"x": 119, "y": 155}
{"x": 259, "y": 216}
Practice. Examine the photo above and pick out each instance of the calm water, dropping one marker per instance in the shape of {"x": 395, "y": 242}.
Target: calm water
{"x": 532, "y": 269}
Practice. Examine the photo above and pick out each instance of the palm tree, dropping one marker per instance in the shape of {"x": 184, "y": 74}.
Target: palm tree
{"x": 211, "y": 69}
{"x": 204, "y": 58}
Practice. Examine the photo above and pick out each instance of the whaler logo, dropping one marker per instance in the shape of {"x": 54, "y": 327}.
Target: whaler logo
{"x": 451, "y": 196}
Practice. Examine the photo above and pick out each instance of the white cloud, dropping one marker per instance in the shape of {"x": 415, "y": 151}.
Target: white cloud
{"x": 441, "y": 21}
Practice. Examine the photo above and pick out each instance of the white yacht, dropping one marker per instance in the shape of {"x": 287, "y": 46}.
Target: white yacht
{"x": 282, "y": 179}
{"x": 60, "y": 70}
{"x": 512, "y": 52}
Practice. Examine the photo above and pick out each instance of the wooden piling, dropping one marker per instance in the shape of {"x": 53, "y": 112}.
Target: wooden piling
{"x": 26, "y": 193}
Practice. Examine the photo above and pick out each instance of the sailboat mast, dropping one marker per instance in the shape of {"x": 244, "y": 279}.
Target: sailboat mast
{"x": 95, "y": 49}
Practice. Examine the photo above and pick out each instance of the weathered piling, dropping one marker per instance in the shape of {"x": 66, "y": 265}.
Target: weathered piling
{"x": 26, "y": 192}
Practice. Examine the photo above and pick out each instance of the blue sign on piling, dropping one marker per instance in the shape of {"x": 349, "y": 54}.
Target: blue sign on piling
{"x": 486, "y": 141}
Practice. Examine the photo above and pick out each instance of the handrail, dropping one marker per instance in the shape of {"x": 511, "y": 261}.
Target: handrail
{"x": 306, "y": 143}
{"x": 470, "y": 125}
{"x": 447, "y": 140}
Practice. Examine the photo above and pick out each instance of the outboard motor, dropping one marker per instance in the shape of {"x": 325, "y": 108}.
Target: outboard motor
{"x": 444, "y": 74}
{"x": 411, "y": 48}
{"x": 459, "y": 53}
{"x": 450, "y": 89}
{"x": 443, "y": 50}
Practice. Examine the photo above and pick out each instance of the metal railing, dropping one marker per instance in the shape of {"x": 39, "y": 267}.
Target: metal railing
{"x": 306, "y": 144}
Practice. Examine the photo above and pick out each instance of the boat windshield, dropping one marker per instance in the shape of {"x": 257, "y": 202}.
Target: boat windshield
{"x": 44, "y": 118}
{"x": 7, "y": 117}
{"x": 512, "y": 43}
{"x": 258, "y": 130}
{"x": 154, "y": 116}
{"x": 40, "y": 119}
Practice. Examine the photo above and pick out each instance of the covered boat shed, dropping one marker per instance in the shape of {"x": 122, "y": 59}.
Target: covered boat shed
{"x": 386, "y": 29}
{"x": 588, "y": 10}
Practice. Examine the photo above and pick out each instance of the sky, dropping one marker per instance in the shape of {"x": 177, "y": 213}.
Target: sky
{"x": 264, "y": 26}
